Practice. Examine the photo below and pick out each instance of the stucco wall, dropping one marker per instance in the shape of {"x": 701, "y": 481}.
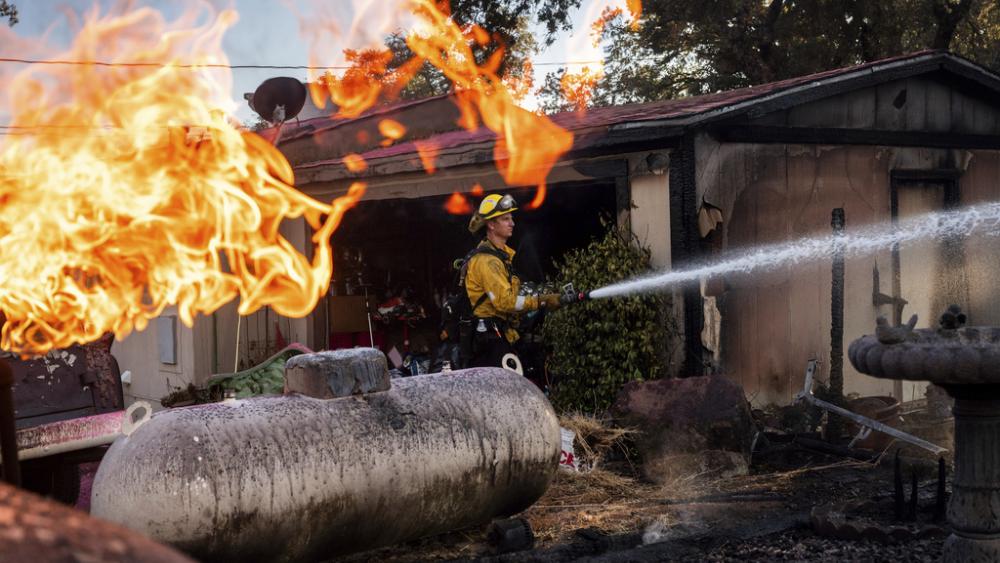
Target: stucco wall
{"x": 651, "y": 215}
{"x": 773, "y": 322}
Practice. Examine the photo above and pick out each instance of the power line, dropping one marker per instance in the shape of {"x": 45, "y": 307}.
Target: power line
{"x": 187, "y": 65}
{"x": 219, "y": 65}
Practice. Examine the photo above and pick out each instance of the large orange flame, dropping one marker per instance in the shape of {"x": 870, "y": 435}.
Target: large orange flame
{"x": 131, "y": 191}
{"x": 528, "y": 144}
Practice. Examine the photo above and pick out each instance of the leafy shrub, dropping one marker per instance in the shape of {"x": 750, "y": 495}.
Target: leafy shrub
{"x": 599, "y": 345}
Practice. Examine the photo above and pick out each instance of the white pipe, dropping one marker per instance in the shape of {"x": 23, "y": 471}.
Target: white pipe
{"x": 807, "y": 395}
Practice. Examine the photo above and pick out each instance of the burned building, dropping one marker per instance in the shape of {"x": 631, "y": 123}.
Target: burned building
{"x": 694, "y": 178}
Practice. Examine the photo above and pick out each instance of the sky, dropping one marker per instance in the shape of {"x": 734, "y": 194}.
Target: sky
{"x": 267, "y": 33}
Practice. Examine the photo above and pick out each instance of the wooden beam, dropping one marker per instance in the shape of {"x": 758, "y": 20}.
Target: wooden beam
{"x": 623, "y": 202}
{"x": 609, "y": 168}
{"x": 684, "y": 248}
{"x": 916, "y": 175}
{"x": 842, "y": 136}
{"x": 805, "y": 93}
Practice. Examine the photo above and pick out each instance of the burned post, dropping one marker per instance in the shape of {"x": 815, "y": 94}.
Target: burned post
{"x": 8, "y": 435}
{"x": 899, "y": 500}
{"x": 834, "y": 425}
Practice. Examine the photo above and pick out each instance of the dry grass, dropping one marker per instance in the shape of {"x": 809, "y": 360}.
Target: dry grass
{"x": 599, "y": 499}
{"x": 595, "y": 437}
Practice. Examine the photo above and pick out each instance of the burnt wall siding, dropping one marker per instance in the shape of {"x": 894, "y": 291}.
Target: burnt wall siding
{"x": 773, "y": 322}
{"x": 980, "y": 184}
{"x": 913, "y": 104}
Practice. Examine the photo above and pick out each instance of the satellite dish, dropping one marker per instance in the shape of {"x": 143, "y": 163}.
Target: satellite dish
{"x": 278, "y": 99}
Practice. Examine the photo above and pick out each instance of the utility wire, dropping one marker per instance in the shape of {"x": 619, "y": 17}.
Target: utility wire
{"x": 219, "y": 65}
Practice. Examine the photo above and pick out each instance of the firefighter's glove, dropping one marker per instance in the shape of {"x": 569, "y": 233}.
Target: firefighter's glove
{"x": 550, "y": 301}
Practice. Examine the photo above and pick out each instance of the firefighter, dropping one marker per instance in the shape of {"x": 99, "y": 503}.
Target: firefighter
{"x": 493, "y": 287}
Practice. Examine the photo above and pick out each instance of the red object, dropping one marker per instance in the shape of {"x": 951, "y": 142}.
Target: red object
{"x": 340, "y": 340}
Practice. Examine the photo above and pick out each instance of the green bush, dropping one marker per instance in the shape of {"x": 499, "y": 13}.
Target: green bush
{"x": 599, "y": 345}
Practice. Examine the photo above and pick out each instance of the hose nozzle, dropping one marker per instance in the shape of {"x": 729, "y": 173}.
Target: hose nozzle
{"x": 571, "y": 295}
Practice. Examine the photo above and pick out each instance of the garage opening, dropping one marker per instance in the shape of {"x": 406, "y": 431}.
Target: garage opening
{"x": 393, "y": 263}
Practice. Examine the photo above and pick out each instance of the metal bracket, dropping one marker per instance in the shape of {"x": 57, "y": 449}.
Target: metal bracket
{"x": 865, "y": 422}
{"x": 879, "y": 298}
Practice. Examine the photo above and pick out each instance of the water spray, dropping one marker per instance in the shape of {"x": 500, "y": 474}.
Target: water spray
{"x": 984, "y": 218}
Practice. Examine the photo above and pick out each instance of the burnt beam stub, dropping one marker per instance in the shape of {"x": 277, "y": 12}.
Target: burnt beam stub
{"x": 684, "y": 247}
{"x": 337, "y": 373}
{"x": 837, "y": 223}
{"x": 843, "y": 136}
{"x": 11, "y": 468}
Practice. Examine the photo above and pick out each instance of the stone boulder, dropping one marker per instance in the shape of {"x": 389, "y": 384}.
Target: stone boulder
{"x": 696, "y": 426}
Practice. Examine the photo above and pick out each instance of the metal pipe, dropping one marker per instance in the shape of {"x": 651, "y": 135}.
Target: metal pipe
{"x": 69, "y": 435}
{"x": 837, "y": 222}
{"x": 806, "y": 395}
{"x": 295, "y": 478}
{"x": 8, "y": 432}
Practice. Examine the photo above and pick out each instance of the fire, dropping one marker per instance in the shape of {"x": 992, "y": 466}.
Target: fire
{"x": 427, "y": 150}
{"x": 578, "y": 86}
{"x": 131, "y": 191}
{"x": 527, "y": 145}
{"x": 391, "y": 129}
{"x": 355, "y": 163}
{"x": 457, "y": 204}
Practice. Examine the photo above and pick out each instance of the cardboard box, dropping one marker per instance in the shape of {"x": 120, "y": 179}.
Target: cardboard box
{"x": 347, "y": 313}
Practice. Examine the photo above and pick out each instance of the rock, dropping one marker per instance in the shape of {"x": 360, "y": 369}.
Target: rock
{"x": 691, "y": 426}
{"x": 337, "y": 373}
{"x": 38, "y": 530}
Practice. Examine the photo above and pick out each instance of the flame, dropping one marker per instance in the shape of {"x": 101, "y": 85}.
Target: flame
{"x": 391, "y": 129}
{"x": 457, "y": 204}
{"x": 477, "y": 190}
{"x": 578, "y": 86}
{"x": 131, "y": 191}
{"x": 527, "y": 145}
{"x": 355, "y": 163}
{"x": 523, "y": 83}
{"x": 360, "y": 47}
{"x": 427, "y": 151}
{"x": 359, "y": 88}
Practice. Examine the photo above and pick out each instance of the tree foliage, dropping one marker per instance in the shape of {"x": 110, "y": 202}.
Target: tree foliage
{"x": 690, "y": 48}
{"x": 9, "y": 11}
{"x": 598, "y": 346}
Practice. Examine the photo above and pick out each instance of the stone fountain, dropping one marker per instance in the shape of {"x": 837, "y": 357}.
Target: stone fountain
{"x": 965, "y": 361}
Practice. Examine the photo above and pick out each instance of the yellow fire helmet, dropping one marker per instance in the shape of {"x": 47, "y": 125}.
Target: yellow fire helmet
{"x": 492, "y": 206}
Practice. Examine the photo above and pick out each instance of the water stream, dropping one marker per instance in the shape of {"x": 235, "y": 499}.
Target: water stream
{"x": 980, "y": 219}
